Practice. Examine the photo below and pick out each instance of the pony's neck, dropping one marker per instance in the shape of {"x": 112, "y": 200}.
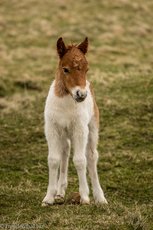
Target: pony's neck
{"x": 60, "y": 88}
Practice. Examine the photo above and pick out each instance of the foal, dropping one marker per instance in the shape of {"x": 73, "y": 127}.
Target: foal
{"x": 72, "y": 117}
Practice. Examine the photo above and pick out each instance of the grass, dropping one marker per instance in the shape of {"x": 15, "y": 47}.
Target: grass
{"x": 121, "y": 69}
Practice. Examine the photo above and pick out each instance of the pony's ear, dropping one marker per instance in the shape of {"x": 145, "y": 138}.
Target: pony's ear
{"x": 84, "y": 46}
{"x": 61, "y": 48}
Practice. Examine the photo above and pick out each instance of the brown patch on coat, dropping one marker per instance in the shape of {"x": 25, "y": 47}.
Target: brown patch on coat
{"x": 96, "y": 110}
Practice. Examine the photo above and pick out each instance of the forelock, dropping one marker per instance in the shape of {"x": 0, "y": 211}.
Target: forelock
{"x": 75, "y": 56}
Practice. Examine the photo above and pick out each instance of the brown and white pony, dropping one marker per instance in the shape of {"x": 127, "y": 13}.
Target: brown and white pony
{"x": 72, "y": 118}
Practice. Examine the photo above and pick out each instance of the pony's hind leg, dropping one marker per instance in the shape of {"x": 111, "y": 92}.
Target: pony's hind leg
{"x": 62, "y": 181}
{"x": 92, "y": 159}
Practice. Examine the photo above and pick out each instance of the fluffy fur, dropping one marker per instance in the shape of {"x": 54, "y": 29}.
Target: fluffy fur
{"x": 71, "y": 123}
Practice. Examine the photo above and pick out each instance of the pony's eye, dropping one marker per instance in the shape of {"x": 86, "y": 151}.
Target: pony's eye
{"x": 66, "y": 70}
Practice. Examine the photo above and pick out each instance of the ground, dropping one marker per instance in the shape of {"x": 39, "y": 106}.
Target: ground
{"x": 121, "y": 69}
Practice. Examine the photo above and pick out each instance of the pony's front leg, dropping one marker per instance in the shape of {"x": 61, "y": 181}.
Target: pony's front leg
{"x": 80, "y": 136}
{"x": 53, "y": 137}
{"x": 62, "y": 182}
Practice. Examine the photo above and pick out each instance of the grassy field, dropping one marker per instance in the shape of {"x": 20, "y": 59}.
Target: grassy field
{"x": 121, "y": 70}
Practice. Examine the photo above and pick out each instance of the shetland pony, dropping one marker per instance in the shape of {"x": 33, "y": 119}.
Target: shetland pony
{"x": 72, "y": 118}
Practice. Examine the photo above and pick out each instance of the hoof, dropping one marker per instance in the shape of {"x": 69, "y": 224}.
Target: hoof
{"x": 47, "y": 201}
{"x": 101, "y": 201}
{"x": 59, "y": 199}
{"x": 45, "y": 204}
{"x": 85, "y": 201}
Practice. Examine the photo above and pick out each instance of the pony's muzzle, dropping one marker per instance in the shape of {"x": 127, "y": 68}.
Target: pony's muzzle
{"x": 80, "y": 95}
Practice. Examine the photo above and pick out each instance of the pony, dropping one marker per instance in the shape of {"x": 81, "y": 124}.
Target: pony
{"x": 72, "y": 119}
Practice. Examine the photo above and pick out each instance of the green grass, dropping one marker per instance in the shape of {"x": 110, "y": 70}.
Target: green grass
{"x": 121, "y": 70}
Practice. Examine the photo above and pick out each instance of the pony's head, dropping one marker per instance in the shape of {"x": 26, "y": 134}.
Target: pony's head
{"x": 73, "y": 67}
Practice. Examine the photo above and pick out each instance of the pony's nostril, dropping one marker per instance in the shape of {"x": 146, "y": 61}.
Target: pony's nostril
{"x": 78, "y": 93}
